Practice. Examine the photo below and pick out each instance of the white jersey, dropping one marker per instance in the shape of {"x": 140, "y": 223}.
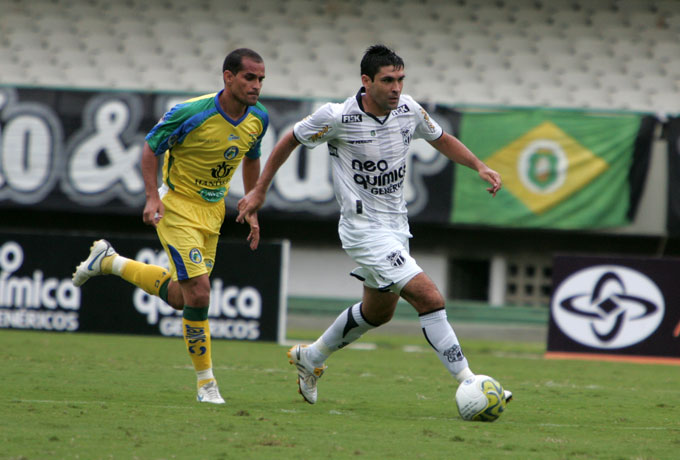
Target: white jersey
{"x": 368, "y": 161}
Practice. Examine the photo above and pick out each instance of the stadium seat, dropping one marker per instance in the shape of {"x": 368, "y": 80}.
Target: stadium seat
{"x": 629, "y": 6}
{"x": 510, "y": 45}
{"x": 590, "y": 98}
{"x": 513, "y": 94}
{"x": 470, "y": 93}
{"x": 602, "y": 19}
{"x": 604, "y": 65}
{"x": 14, "y": 73}
{"x": 549, "y": 46}
{"x": 487, "y": 61}
{"x": 564, "y": 18}
{"x": 617, "y": 82}
{"x": 639, "y": 66}
{"x": 644, "y": 19}
{"x": 591, "y": 47}
{"x": 630, "y": 48}
{"x": 499, "y": 44}
{"x": 472, "y": 43}
{"x": 666, "y": 103}
{"x": 527, "y": 61}
{"x": 631, "y": 99}
{"x": 575, "y": 79}
{"x": 533, "y": 78}
{"x": 658, "y": 84}
{"x": 561, "y": 63}
{"x": 551, "y": 96}
{"x": 666, "y": 51}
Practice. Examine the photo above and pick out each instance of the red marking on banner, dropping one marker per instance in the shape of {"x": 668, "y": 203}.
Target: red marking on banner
{"x": 676, "y": 331}
{"x": 616, "y": 358}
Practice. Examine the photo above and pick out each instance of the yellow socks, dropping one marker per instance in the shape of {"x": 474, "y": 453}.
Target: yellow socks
{"x": 196, "y": 331}
{"x": 150, "y": 278}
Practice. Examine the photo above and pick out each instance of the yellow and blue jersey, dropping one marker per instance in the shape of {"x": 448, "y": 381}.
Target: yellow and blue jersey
{"x": 203, "y": 146}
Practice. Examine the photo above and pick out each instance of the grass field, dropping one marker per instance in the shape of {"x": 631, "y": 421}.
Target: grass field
{"x": 83, "y": 396}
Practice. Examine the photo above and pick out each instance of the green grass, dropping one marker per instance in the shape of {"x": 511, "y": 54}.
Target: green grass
{"x": 81, "y": 396}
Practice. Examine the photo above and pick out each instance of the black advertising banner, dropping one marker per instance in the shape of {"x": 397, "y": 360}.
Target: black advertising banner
{"x": 673, "y": 138}
{"x": 616, "y": 308}
{"x": 247, "y": 300}
{"x": 79, "y": 151}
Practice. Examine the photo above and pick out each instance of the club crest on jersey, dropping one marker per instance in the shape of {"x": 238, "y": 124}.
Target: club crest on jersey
{"x": 353, "y": 118}
{"x": 396, "y": 259}
{"x": 195, "y": 256}
{"x": 401, "y": 109}
{"x": 406, "y": 135}
{"x": 231, "y": 152}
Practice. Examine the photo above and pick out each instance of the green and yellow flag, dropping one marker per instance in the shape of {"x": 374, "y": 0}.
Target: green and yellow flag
{"x": 560, "y": 169}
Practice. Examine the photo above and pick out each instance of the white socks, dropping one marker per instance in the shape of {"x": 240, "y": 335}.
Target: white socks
{"x": 350, "y": 325}
{"x": 439, "y": 334}
{"x": 347, "y": 327}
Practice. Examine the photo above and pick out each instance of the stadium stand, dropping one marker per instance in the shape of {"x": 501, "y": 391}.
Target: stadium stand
{"x": 612, "y": 46}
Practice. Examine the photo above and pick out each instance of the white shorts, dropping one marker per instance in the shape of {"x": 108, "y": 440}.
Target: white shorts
{"x": 384, "y": 262}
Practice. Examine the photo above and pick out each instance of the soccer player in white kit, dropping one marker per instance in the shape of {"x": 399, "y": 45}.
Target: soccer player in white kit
{"x": 368, "y": 137}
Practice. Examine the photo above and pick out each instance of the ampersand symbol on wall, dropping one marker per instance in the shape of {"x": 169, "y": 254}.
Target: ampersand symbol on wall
{"x": 101, "y": 160}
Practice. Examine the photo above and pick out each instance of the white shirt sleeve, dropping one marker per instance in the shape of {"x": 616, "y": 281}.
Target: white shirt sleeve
{"x": 317, "y": 128}
{"x": 426, "y": 127}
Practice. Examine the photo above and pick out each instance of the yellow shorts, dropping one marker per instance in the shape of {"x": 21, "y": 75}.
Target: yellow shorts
{"x": 189, "y": 232}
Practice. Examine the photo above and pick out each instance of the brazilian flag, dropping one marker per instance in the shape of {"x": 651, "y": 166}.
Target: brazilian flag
{"x": 560, "y": 169}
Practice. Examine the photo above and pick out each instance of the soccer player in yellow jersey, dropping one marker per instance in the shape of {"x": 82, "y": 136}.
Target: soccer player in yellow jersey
{"x": 203, "y": 141}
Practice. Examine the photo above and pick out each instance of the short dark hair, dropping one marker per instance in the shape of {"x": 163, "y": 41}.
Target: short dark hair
{"x": 378, "y": 56}
{"x": 234, "y": 60}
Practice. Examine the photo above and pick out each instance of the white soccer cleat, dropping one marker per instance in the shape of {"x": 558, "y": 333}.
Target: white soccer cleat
{"x": 210, "y": 393}
{"x": 92, "y": 266}
{"x": 507, "y": 395}
{"x": 307, "y": 373}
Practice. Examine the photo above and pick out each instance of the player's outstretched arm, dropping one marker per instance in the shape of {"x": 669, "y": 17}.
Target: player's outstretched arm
{"x": 254, "y": 199}
{"x": 251, "y": 172}
{"x": 457, "y": 152}
{"x": 153, "y": 209}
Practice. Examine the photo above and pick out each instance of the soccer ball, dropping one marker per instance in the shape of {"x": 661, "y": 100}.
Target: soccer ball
{"x": 480, "y": 398}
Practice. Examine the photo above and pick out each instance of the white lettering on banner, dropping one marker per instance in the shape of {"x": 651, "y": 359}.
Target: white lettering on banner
{"x": 25, "y": 301}
{"x": 30, "y": 143}
{"x": 225, "y": 301}
{"x": 42, "y": 320}
{"x": 233, "y": 302}
{"x": 100, "y": 165}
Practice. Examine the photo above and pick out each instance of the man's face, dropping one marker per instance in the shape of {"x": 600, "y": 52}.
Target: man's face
{"x": 385, "y": 88}
{"x": 245, "y": 86}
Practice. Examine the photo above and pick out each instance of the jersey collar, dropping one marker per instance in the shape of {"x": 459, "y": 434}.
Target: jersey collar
{"x": 362, "y": 90}
{"x": 224, "y": 114}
